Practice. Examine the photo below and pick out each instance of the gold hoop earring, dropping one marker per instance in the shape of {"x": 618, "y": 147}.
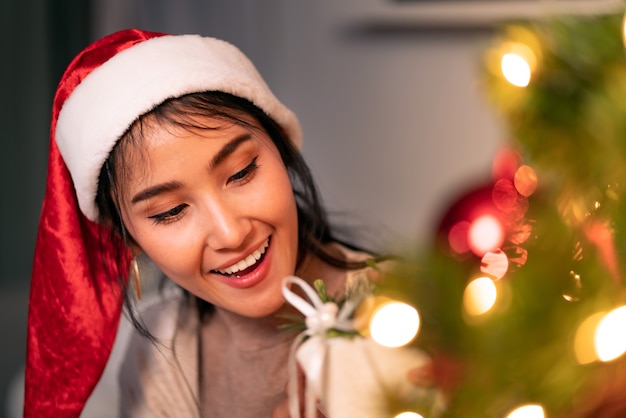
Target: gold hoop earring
{"x": 134, "y": 276}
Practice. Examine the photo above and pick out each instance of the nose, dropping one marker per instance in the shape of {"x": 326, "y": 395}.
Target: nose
{"x": 227, "y": 225}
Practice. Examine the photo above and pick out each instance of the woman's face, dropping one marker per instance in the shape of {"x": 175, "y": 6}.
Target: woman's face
{"x": 215, "y": 211}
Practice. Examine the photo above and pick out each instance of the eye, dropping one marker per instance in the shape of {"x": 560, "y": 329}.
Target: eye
{"x": 244, "y": 175}
{"x": 170, "y": 215}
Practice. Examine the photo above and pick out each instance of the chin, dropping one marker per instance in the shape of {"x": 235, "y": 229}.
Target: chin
{"x": 266, "y": 309}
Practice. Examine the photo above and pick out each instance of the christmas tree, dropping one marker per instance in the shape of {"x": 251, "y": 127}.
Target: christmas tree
{"x": 521, "y": 294}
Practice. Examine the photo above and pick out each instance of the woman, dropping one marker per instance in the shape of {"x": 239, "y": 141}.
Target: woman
{"x": 173, "y": 147}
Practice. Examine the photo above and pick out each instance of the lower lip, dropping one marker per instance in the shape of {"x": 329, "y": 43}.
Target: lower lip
{"x": 254, "y": 277}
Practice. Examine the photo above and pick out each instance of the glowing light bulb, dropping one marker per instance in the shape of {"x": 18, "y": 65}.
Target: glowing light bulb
{"x": 394, "y": 324}
{"x": 408, "y": 415}
{"x": 480, "y": 295}
{"x": 610, "y": 335}
{"x": 516, "y": 69}
{"x": 485, "y": 234}
{"x": 584, "y": 348}
{"x": 527, "y": 411}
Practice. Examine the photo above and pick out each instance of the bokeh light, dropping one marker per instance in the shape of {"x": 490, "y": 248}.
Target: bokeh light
{"x": 394, "y": 324}
{"x": 505, "y": 163}
{"x": 408, "y": 415}
{"x": 516, "y": 69}
{"x": 610, "y": 335}
{"x": 504, "y": 195}
{"x": 486, "y": 233}
{"x": 479, "y": 297}
{"x": 457, "y": 237}
{"x": 624, "y": 29}
{"x": 584, "y": 348}
{"x": 517, "y": 63}
{"x": 525, "y": 180}
{"x": 495, "y": 263}
{"x": 527, "y": 411}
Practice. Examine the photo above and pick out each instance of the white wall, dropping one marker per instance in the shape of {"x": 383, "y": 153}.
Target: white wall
{"x": 395, "y": 123}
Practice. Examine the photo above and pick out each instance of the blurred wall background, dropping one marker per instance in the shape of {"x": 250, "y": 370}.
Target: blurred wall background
{"x": 394, "y": 118}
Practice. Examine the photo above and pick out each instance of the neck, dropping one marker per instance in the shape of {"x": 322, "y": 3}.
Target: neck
{"x": 312, "y": 268}
{"x": 257, "y": 333}
{"x": 252, "y": 333}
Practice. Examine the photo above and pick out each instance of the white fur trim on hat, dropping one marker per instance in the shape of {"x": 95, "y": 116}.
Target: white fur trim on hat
{"x": 105, "y": 104}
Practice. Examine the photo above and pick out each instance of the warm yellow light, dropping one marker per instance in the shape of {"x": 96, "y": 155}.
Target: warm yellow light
{"x": 584, "y": 348}
{"x": 408, "y": 415}
{"x": 485, "y": 234}
{"x": 527, "y": 411}
{"x": 610, "y": 336}
{"x": 480, "y": 295}
{"x": 394, "y": 324}
{"x": 624, "y": 28}
{"x": 516, "y": 69}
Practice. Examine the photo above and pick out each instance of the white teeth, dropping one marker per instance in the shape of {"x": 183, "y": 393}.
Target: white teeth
{"x": 241, "y": 265}
{"x": 246, "y": 262}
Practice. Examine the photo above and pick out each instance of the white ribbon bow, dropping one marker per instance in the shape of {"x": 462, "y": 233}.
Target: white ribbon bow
{"x": 320, "y": 317}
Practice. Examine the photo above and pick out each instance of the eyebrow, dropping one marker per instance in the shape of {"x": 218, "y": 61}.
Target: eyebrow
{"x": 230, "y": 147}
{"x": 152, "y": 191}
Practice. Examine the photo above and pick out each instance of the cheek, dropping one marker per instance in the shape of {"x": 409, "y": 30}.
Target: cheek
{"x": 172, "y": 249}
{"x": 281, "y": 200}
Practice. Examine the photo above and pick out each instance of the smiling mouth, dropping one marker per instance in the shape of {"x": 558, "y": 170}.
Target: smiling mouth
{"x": 246, "y": 265}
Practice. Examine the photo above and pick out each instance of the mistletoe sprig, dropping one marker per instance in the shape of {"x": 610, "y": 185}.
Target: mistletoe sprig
{"x": 331, "y": 308}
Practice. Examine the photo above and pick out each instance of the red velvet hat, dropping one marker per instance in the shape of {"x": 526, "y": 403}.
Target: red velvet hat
{"x": 75, "y": 299}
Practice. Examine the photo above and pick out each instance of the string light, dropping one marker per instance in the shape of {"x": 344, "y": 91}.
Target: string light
{"x": 486, "y": 233}
{"x": 584, "y": 348}
{"x": 610, "y": 336}
{"x": 408, "y": 415}
{"x": 527, "y": 411}
{"x": 394, "y": 324}
{"x": 479, "y": 297}
{"x": 516, "y": 70}
{"x": 517, "y": 64}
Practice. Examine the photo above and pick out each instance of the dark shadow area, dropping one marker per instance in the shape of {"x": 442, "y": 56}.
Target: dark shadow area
{"x": 37, "y": 41}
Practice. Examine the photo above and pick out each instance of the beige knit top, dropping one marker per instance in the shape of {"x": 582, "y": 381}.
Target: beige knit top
{"x": 225, "y": 366}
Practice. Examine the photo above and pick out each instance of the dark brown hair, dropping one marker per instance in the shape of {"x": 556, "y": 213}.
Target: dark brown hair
{"x": 187, "y": 111}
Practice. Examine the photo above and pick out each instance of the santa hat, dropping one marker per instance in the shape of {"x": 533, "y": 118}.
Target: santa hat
{"x": 75, "y": 299}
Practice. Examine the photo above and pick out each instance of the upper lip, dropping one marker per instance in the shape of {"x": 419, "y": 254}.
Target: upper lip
{"x": 247, "y": 253}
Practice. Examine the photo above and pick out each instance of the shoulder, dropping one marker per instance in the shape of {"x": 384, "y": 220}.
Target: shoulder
{"x": 339, "y": 281}
{"x": 371, "y": 266}
{"x": 161, "y": 375}
{"x": 161, "y": 314}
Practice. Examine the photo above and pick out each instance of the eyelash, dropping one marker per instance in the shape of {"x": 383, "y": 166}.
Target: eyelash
{"x": 245, "y": 175}
{"x": 241, "y": 177}
{"x": 169, "y": 216}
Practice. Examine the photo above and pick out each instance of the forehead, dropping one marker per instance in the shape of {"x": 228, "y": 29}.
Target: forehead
{"x": 156, "y": 126}
{"x": 135, "y": 154}
{"x": 194, "y": 121}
